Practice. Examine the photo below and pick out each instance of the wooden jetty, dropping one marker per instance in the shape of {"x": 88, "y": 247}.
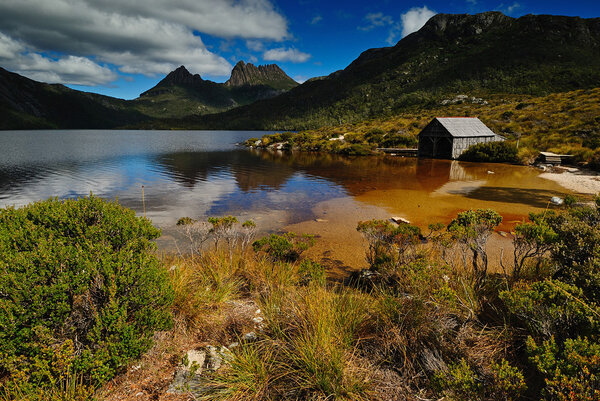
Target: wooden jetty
{"x": 400, "y": 152}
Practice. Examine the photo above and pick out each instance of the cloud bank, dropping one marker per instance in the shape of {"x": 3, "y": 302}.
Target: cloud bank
{"x": 147, "y": 37}
{"x": 283, "y": 54}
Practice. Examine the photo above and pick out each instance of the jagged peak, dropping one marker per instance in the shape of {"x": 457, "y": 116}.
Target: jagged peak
{"x": 249, "y": 74}
{"x": 181, "y": 76}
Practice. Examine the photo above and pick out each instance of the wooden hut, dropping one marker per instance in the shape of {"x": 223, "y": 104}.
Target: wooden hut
{"x": 449, "y": 137}
{"x": 555, "y": 159}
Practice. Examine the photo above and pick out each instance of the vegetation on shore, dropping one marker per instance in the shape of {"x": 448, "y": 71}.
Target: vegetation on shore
{"x": 425, "y": 319}
{"x": 564, "y": 123}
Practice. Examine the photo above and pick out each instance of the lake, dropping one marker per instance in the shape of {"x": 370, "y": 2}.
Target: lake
{"x": 205, "y": 173}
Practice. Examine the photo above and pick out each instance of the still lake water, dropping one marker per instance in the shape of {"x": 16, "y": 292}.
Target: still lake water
{"x": 205, "y": 173}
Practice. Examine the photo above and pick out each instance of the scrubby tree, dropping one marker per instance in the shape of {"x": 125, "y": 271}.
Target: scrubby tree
{"x": 473, "y": 228}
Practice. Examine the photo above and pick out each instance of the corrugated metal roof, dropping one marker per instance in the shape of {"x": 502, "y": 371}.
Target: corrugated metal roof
{"x": 461, "y": 127}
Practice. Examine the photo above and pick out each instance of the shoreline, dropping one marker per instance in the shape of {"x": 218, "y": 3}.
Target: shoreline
{"x": 584, "y": 182}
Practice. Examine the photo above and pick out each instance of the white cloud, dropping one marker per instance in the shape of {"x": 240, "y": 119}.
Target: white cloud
{"x": 316, "y": 19}
{"x": 300, "y": 79}
{"x": 376, "y": 20}
{"x": 513, "y": 7}
{"x": 414, "y": 19}
{"x": 282, "y": 54}
{"x": 255, "y": 45}
{"x": 9, "y": 48}
{"x": 149, "y": 37}
{"x": 69, "y": 69}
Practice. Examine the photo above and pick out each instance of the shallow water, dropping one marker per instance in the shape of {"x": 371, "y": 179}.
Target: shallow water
{"x": 204, "y": 173}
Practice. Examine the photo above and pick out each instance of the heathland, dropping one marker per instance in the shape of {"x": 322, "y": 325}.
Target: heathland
{"x": 91, "y": 311}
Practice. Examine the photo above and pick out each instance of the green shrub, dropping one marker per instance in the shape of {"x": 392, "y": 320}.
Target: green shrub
{"x": 184, "y": 221}
{"x": 459, "y": 381}
{"x": 399, "y": 141}
{"x": 357, "y": 149}
{"x": 508, "y": 382}
{"x": 473, "y": 228}
{"x": 312, "y": 272}
{"x": 491, "y": 152}
{"x": 286, "y": 247}
{"x": 79, "y": 271}
{"x": 572, "y": 372}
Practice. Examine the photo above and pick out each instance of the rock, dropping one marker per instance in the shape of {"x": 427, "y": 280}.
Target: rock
{"x": 555, "y": 200}
{"x": 258, "y": 320}
{"x": 191, "y": 365}
{"x": 214, "y": 358}
{"x": 399, "y": 220}
{"x": 251, "y": 336}
{"x": 194, "y": 363}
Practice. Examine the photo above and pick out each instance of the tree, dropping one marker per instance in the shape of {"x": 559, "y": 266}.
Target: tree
{"x": 473, "y": 228}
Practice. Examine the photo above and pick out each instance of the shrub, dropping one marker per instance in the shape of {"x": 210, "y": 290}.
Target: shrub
{"x": 80, "y": 272}
{"x": 571, "y": 372}
{"x": 459, "y": 381}
{"x": 286, "y": 247}
{"x": 312, "y": 272}
{"x": 491, "y": 152}
{"x": 389, "y": 245}
{"x": 357, "y": 149}
{"x": 508, "y": 382}
{"x": 473, "y": 228}
{"x": 184, "y": 221}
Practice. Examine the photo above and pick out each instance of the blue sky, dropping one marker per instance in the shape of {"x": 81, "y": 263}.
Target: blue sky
{"x": 123, "y": 47}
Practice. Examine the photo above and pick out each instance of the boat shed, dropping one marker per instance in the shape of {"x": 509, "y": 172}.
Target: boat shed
{"x": 449, "y": 137}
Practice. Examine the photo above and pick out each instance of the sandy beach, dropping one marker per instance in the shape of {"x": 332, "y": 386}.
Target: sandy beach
{"x": 580, "y": 181}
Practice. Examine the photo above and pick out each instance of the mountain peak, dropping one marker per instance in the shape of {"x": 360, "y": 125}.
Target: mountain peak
{"x": 451, "y": 25}
{"x": 269, "y": 75}
{"x": 181, "y": 76}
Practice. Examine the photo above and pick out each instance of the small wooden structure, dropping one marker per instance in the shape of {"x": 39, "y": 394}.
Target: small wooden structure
{"x": 400, "y": 151}
{"x": 553, "y": 158}
{"x": 449, "y": 137}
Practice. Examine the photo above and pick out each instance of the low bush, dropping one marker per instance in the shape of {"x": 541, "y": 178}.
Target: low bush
{"x": 286, "y": 247}
{"x": 79, "y": 279}
{"x": 491, "y": 152}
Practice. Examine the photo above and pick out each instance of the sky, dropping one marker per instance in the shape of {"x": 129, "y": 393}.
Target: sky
{"x": 121, "y": 48}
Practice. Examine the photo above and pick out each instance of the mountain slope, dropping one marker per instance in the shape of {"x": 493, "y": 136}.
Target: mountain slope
{"x": 475, "y": 54}
{"x": 25, "y": 103}
{"x": 181, "y": 94}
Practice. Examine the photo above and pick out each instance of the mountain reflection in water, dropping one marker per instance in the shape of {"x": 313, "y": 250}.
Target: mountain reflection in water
{"x": 201, "y": 173}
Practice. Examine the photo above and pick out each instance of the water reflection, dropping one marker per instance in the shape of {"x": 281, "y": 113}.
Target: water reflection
{"x": 194, "y": 173}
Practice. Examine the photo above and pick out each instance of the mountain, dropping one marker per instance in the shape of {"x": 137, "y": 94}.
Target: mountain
{"x": 182, "y": 94}
{"x": 488, "y": 54}
{"x": 269, "y": 75}
{"x": 478, "y": 55}
{"x": 28, "y": 104}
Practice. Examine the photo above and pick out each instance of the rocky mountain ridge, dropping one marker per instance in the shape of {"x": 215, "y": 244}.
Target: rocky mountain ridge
{"x": 269, "y": 75}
